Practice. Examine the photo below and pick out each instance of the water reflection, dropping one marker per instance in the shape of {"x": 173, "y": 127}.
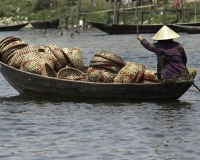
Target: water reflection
{"x": 174, "y": 105}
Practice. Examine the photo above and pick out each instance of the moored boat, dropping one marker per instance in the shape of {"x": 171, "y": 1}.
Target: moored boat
{"x": 131, "y": 28}
{"x": 189, "y": 24}
{"x": 45, "y": 24}
{"x": 12, "y": 27}
{"x": 189, "y": 29}
{"x": 30, "y": 84}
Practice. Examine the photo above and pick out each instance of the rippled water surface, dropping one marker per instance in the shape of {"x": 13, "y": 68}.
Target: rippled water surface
{"x": 88, "y": 129}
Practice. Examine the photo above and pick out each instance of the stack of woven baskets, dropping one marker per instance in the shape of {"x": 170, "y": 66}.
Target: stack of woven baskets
{"x": 45, "y": 60}
{"x": 107, "y": 67}
{"x": 8, "y": 46}
{"x": 67, "y": 63}
{"x": 104, "y": 66}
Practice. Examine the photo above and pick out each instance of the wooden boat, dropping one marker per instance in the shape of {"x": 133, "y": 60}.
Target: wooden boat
{"x": 189, "y": 29}
{"x": 46, "y": 24}
{"x": 189, "y": 24}
{"x": 13, "y": 27}
{"x": 130, "y": 28}
{"x": 47, "y": 87}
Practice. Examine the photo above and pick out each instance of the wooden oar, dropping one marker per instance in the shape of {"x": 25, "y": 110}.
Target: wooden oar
{"x": 196, "y": 86}
{"x": 137, "y": 16}
{"x": 44, "y": 21}
{"x": 43, "y": 16}
{"x": 60, "y": 24}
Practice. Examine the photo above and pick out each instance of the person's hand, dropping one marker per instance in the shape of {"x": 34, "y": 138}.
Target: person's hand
{"x": 140, "y": 38}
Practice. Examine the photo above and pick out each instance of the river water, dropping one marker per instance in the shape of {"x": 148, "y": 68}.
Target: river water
{"x": 35, "y": 129}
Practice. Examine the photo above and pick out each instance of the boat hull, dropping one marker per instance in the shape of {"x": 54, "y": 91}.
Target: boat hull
{"x": 39, "y": 86}
{"x": 189, "y": 29}
{"x": 130, "y": 29}
{"x": 189, "y": 24}
{"x": 46, "y": 24}
{"x": 14, "y": 27}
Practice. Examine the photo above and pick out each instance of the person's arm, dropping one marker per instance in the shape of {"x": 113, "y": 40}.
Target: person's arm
{"x": 147, "y": 45}
{"x": 183, "y": 55}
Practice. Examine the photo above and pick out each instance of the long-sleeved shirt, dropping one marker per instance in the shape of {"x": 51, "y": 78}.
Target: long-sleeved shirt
{"x": 171, "y": 58}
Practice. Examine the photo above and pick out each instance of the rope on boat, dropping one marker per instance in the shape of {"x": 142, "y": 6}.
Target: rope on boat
{"x": 196, "y": 86}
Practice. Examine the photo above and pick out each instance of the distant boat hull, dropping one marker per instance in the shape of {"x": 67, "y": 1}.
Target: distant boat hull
{"x": 130, "y": 29}
{"x": 189, "y": 24}
{"x": 46, "y": 24}
{"x": 14, "y": 27}
{"x": 189, "y": 29}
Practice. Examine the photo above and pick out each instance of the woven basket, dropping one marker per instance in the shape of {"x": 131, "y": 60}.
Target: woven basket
{"x": 150, "y": 75}
{"x": 6, "y": 40}
{"x": 141, "y": 70}
{"x": 8, "y": 55}
{"x": 101, "y": 60}
{"x": 100, "y": 75}
{"x": 19, "y": 54}
{"x": 104, "y": 63}
{"x": 80, "y": 78}
{"x": 38, "y": 56}
{"x": 57, "y": 63}
{"x": 11, "y": 43}
{"x": 128, "y": 74}
{"x": 58, "y": 53}
{"x": 2, "y": 47}
{"x": 111, "y": 56}
{"x": 114, "y": 68}
{"x": 69, "y": 73}
{"x": 76, "y": 58}
{"x": 42, "y": 47}
{"x": 65, "y": 52}
{"x": 11, "y": 51}
{"x": 48, "y": 71}
{"x": 34, "y": 66}
{"x": 14, "y": 44}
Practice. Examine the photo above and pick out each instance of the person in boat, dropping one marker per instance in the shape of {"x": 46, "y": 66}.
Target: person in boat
{"x": 171, "y": 56}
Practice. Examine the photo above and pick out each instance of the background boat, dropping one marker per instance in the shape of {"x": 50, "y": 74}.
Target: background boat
{"x": 12, "y": 27}
{"x": 131, "y": 28}
{"x": 189, "y": 24}
{"x": 45, "y": 24}
{"x": 189, "y": 29}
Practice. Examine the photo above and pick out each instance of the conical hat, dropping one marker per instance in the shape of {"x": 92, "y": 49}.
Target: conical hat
{"x": 165, "y": 33}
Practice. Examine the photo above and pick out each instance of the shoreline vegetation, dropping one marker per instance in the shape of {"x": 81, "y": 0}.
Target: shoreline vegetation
{"x": 104, "y": 11}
